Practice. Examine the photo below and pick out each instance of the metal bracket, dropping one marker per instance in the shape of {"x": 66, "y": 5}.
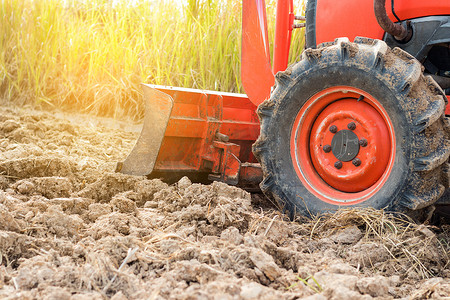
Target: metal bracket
{"x": 228, "y": 167}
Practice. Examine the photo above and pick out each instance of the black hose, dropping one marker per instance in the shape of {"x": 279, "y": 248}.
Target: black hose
{"x": 393, "y": 11}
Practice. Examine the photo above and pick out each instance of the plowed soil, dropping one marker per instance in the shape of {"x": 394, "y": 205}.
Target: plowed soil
{"x": 71, "y": 228}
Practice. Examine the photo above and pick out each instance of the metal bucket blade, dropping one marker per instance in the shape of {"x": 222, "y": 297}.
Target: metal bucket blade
{"x": 142, "y": 159}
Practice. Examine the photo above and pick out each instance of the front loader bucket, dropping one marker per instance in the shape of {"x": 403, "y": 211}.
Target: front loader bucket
{"x": 142, "y": 159}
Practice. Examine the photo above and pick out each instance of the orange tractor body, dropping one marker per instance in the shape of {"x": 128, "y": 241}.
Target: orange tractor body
{"x": 209, "y": 135}
{"x": 357, "y": 18}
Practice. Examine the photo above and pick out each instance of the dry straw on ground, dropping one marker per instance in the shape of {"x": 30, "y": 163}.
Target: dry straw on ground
{"x": 410, "y": 246}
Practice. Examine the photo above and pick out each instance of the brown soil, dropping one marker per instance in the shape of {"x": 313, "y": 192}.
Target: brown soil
{"x": 70, "y": 228}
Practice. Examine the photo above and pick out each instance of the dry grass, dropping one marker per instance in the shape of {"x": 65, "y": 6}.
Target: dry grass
{"x": 407, "y": 246}
{"x": 91, "y": 56}
{"x": 411, "y": 247}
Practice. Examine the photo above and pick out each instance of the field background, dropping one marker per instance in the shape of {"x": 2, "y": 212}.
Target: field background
{"x": 91, "y": 56}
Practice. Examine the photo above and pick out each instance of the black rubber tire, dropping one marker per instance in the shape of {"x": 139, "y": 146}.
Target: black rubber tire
{"x": 414, "y": 103}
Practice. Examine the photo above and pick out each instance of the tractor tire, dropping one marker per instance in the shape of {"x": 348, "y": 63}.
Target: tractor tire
{"x": 354, "y": 125}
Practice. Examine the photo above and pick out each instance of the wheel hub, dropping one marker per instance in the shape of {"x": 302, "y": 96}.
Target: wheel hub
{"x": 349, "y": 145}
{"x": 356, "y": 168}
{"x": 345, "y": 145}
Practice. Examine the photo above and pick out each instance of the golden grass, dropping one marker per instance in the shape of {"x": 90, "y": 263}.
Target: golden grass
{"x": 411, "y": 247}
{"x": 91, "y": 56}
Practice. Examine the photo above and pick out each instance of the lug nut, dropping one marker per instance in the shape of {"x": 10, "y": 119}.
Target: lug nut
{"x": 351, "y": 126}
{"x": 356, "y": 162}
{"x": 327, "y": 148}
{"x": 333, "y": 128}
{"x": 363, "y": 142}
{"x": 338, "y": 164}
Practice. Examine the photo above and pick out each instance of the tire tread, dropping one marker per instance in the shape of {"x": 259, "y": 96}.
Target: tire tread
{"x": 377, "y": 56}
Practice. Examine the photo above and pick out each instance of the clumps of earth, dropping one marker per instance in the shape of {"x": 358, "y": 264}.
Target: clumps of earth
{"x": 71, "y": 228}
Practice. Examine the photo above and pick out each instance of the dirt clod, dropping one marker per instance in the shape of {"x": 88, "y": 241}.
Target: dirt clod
{"x": 375, "y": 286}
{"x": 349, "y": 235}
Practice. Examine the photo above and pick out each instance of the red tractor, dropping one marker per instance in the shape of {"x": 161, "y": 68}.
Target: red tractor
{"x": 352, "y": 124}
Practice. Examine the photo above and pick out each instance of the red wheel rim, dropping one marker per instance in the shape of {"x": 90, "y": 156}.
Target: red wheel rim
{"x": 347, "y": 164}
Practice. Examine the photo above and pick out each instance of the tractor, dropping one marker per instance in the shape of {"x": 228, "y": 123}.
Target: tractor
{"x": 359, "y": 121}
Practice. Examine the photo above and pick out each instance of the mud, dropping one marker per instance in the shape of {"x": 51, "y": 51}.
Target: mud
{"x": 71, "y": 228}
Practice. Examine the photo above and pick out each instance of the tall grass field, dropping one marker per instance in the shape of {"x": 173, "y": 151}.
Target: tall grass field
{"x": 92, "y": 55}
